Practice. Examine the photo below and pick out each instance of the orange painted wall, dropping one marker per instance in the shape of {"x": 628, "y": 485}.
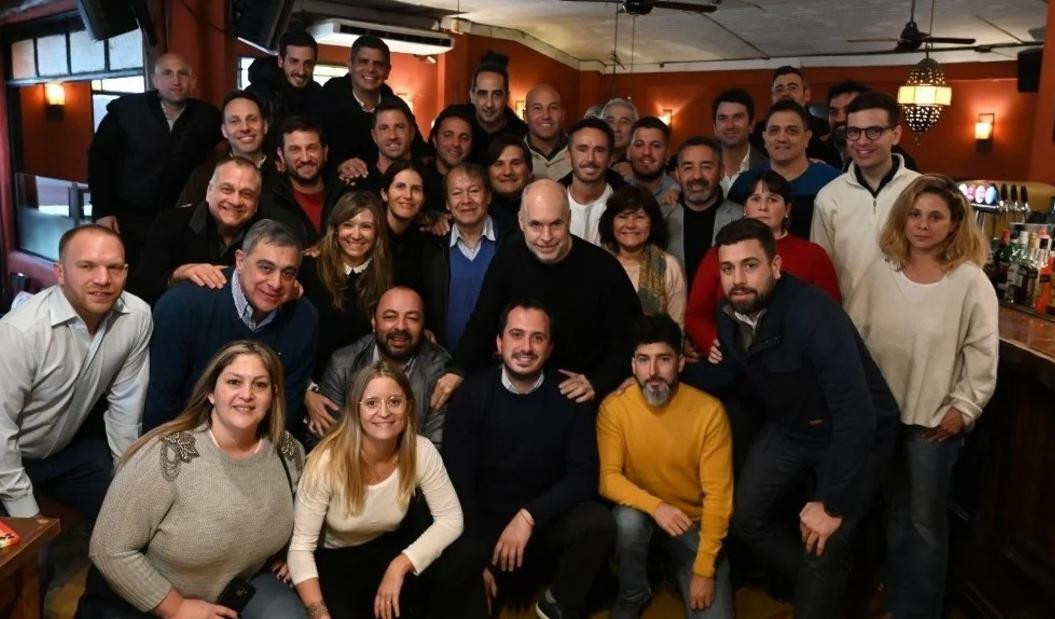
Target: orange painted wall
{"x": 526, "y": 69}
{"x": 1042, "y": 163}
{"x": 57, "y": 148}
{"x": 949, "y": 147}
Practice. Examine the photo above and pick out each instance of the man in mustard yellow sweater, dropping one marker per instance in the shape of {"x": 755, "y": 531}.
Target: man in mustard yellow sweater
{"x": 666, "y": 460}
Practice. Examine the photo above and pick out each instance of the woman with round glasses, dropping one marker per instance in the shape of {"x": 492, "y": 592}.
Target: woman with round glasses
{"x": 357, "y": 549}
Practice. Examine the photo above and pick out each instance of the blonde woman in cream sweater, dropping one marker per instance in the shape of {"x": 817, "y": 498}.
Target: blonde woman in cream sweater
{"x": 928, "y": 315}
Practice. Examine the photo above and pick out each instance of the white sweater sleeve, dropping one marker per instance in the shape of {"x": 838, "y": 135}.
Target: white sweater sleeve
{"x": 309, "y": 515}
{"x": 822, "y": 228}
{"x": 443, "y": 504}
{"x": 977, "y": 378}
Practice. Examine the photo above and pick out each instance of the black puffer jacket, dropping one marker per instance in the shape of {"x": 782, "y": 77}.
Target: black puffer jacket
{"x": 279, "y": 99}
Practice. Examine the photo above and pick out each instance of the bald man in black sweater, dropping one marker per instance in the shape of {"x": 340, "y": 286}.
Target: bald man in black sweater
{"x": 590, "y": 298}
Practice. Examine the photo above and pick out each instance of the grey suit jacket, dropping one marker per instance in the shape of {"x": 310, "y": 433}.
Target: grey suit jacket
{"x": 429, "y": 364}
{"x": 728, "y": 211}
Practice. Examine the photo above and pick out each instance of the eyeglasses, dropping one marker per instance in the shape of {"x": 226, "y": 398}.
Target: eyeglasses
{"x": 394, "y": 403}
{"x": 872, "y": 133}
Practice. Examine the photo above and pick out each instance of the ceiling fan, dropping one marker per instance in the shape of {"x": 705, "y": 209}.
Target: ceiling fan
{"x": 912, "y": 38}
{"x": 644, "y": 7}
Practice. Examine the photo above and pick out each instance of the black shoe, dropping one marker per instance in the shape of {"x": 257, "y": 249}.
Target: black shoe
{"x": 548, "y": 608}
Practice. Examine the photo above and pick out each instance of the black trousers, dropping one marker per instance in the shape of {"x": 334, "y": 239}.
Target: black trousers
{"x": 451, "y": 587}
{"x": 567, "y": 554}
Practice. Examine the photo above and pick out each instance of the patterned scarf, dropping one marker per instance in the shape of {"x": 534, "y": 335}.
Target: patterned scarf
{"x": 651, "y": 281}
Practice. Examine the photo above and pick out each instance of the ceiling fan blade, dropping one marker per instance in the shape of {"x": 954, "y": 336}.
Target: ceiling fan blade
{"x": 871, "y": 40}
{"x": 604, "y": 1}
{"x": 907, "y": 46}
{"x": 685, "y": 6}
{"x": 959, "y": 41}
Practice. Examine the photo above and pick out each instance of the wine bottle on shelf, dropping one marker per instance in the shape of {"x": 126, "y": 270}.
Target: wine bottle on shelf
{"x": 1043, "y": 287}
{"x": 1016, "y": 268}
{"x": 1031, "y": 271}
{"x": 1002, "y": 261}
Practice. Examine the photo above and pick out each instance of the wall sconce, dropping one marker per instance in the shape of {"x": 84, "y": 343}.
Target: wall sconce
{"x": 667, "y": 117}
{"x": 983, "y": 132}
{"x": 54, "y": 94}
{"x": 521, "y": 108}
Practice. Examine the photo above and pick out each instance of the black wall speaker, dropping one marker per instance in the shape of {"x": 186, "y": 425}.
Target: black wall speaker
{"x": 260, "y": 22}
{"x": 1029, "y": 69}
{"x": 106, "y": 18}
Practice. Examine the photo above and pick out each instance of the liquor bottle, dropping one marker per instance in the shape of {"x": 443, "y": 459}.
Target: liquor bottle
{"x": 1043, "y": 288}
{"x": 991, "y": 258}
{"x": 1002, "y": 261}
{"x": 1031, "y": 271}
{"x": 1016, "y": 268}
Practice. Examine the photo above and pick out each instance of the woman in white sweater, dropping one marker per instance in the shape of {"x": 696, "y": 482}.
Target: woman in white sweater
{"x": 929, "y": 317}
{"x": 361, "y": 537}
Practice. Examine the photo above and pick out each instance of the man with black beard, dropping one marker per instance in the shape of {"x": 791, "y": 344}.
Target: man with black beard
{"x": 285, "y": 85}
{"x": 398, "y": 323}
{"x": 703, "y": 209}
{"x": 828, "y": 411}
{"x": 683, "y": 487}
{"x": 648, "y": 154}
{"x": 299, "y": 197}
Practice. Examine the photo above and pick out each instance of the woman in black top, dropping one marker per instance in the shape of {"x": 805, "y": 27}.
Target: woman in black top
{"x": 346, "y": 278}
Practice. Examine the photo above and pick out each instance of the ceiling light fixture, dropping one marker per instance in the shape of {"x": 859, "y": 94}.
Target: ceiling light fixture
{"x": 344, "y": 32}
{"x": 924, "y": 95}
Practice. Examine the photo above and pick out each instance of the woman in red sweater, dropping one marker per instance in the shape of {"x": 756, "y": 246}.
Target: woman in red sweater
{"x": 769, "y": 201}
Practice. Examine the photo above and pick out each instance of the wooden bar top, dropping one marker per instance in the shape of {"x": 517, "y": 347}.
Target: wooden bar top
{"x": 1028, "y": 340}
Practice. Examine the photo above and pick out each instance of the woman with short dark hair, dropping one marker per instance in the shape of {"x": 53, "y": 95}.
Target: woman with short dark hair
{"x": 633, "y": 229}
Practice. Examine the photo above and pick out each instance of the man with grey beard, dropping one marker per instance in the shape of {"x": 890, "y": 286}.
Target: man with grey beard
{"x": 666, "y": 462}
{"x": 703, "y": 209}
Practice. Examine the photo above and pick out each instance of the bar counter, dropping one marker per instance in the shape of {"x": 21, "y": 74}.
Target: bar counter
{"x": 1002, "y": 555}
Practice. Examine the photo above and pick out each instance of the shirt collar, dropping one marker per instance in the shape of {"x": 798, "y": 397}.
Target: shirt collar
{"x": 362, "y": 103}
{"x": 244, "y": 309}
{"x": 562, "y": 142}
{"x": 359, "y": 269}
{"x": 60, "y": 310}
{"x": 750, "y": 320}
{"x": 508, "y": 383}
{"x": 488, "y": 233}
{"x": 883, "y": 181}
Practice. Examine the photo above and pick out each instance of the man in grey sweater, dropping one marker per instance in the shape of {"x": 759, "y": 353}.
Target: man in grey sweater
{"x": 398, "y": 322}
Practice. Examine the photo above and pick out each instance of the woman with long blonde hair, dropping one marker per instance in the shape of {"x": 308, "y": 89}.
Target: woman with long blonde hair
{"x": 351, "y": 270}
{"x": 172, "y": 534}
{"x": 358, "y": 496}
{"x": 928, "y": 315}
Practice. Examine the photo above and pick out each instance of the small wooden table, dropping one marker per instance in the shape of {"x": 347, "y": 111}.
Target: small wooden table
{"x": 19, "y": 586}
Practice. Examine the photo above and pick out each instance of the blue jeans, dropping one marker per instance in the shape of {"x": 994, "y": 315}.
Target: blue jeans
{"x": 917, "y": 523}
{"x": 634, "y": 531}
{"x": 774, "y": 464}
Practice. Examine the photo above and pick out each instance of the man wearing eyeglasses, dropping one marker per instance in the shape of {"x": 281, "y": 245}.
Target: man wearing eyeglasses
{"x": 398, "y": 321}
{"x": 787, "y": 134}
{"x": 851, "y": 209}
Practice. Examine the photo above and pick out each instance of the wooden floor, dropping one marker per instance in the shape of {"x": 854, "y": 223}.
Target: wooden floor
{"x": 71, "y": 567}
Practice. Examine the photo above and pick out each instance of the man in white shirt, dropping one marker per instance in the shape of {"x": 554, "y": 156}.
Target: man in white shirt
{"x": 60, "y": 352}
{"x": 851, "y": 210}
{"x": 589, "y": 150}
{"x": 734, "y": 111}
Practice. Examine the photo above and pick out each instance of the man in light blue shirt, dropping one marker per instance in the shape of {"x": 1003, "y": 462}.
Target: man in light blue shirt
{"x": 60, "y": 352}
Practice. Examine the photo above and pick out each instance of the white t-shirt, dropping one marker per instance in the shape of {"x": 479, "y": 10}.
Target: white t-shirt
{"x": 586, "y": 217}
